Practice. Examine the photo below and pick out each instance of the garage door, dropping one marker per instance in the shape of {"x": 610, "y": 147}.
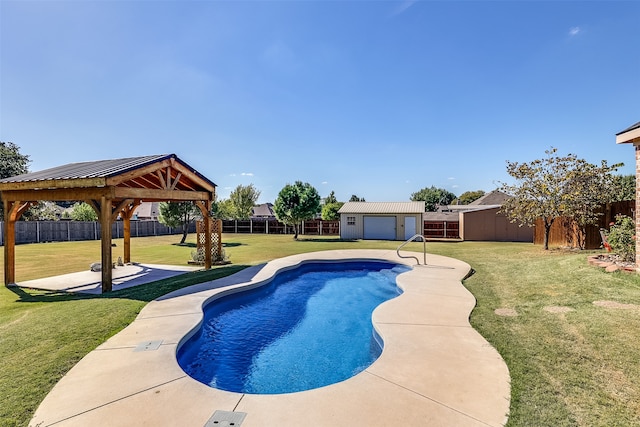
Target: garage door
{"x": 380, "y": 227}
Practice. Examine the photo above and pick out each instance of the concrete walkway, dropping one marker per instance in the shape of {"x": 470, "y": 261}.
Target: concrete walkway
{"x": 435, "y": 369}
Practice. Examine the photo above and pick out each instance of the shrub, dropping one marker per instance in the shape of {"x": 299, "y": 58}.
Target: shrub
{"x": 197, "y": 256}
{"x": 622, "y": 238}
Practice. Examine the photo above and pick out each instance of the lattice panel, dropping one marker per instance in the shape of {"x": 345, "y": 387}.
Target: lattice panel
{"x": 216, "y": 239}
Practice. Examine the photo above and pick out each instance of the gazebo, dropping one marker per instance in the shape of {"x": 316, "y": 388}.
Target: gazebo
{"x": 113, "y": 188}
{"x": 632, "y": 135}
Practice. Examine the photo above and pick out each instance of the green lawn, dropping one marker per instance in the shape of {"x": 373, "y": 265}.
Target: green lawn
{"x": 578, "y": 368}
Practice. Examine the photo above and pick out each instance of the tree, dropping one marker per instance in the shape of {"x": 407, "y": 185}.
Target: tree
{"x": 355, "y": 198}
{"x": 243, "y": 199}
{"x": 178, "y": 214}
{"x": 222, "y": 209}
{"x": 623, "y": 187}
{"x": 83, "y": 212}
{"x": 296, "y": 203}
{"x": 331, "y": 198}
{"x": 43, "y": 211}
{"x": 12, "y": 163}
{"x": 433, "y": 197}
{"x": 587, "y": 186}
{"x": 331, "y": 207}
{"x": 330, "y": 211}
{"x": 554, "y": 187}
{"x": 470, "y": 196}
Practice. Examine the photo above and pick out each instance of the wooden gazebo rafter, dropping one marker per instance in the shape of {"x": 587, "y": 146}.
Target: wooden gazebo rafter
{"x": 113, "y": 188}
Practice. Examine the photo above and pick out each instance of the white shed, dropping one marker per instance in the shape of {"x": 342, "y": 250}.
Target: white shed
{"x": 381, "y": 220}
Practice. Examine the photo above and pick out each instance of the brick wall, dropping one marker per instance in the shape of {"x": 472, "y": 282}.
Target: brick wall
{"x": 637, "y": 147}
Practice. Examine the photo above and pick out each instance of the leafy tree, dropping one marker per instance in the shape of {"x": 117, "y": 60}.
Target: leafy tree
{"x": 330, "y": 211}
{"x": 43, "y": 211}
{"x": 296, "y": 203}
{"x": 178, "y": 214}
{"x": 83, "y": 212}
{"x": 433, "y": 197}
{"x": 243, "y": 199}
{"x": 12, "y": 163}
{"x": 331, "y": 198}
{"x": 586, "y": 193}
{"x": 554, "y": 187}
{"x": 355, "y": 198}
{"x": 222, "y": 209}
{"x": 470, "y": 196}
{"x": 623, "y": 187}
{"x": 331, "y": 207}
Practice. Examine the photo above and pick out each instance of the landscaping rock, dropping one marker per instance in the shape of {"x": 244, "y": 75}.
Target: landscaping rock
{"x": 509, "y": 312}
{"x": 618, "y": 305}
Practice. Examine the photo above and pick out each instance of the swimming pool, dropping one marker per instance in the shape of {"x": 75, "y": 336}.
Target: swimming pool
{"x": 307, "y": 328}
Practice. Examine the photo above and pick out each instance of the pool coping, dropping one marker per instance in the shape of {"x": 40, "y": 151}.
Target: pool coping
{"x": 435, "y": 369}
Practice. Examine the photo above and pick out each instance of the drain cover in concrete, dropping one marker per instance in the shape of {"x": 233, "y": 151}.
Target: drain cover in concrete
{"x": 226, "y": 419}
{"x": 148, "y": 345}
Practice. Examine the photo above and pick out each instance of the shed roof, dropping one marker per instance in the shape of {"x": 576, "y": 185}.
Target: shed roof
{"x": 382, "y": 208}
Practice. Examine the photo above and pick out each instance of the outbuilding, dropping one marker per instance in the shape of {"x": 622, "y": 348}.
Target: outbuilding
{"x": 381, "y": 220}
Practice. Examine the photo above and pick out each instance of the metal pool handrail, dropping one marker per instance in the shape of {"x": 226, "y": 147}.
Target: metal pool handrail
{"x": 424, "y": 249}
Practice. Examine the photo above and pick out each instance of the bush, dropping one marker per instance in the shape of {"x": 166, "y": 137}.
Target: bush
{"x": 197, "y": 257}
{"x": 622, "y": 238}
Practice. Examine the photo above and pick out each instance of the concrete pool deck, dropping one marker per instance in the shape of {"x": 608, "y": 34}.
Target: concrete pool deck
{"x": 90, "y": 282}
{"x": 435, "y": 369}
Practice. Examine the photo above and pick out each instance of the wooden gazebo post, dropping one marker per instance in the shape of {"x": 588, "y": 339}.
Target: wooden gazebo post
{"x": 105, "y": 239}
{"x": 12, "y": 211}
{"x": 126, "y": 213}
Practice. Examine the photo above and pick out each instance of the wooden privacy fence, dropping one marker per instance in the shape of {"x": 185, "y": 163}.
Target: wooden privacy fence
{"x": 564, "y": 231}
{"x": 66, "y": 231}
{"x": 442, "y": 229}
{"x": 271, "y": 226}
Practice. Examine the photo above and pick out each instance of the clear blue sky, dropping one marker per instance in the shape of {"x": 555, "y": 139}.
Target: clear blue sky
{"x": 373, "y": 98}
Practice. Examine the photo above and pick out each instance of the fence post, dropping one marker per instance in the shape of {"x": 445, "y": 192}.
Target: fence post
{"x": 235, "y": 221}
{"x": 266, "y": 227}
{"x": 68, "y": 231}
{"x": 250, "y": 226}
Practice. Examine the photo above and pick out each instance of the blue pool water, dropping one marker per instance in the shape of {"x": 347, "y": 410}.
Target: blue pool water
{"x": 308, "y": 328}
